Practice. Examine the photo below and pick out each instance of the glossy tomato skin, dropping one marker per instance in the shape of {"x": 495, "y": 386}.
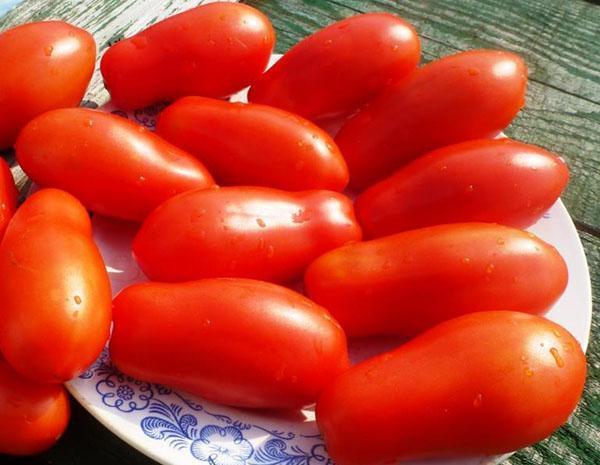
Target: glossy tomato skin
{"x": 8, "y": 196}
{"x": 484, "y": 383}
{"x": 213, "y": 50}
{"x": 340, "y": 67}
{"x": 410, "y": 281}
{"x": 469, "y": 95}
{"x": 234, "y": 341}
{"x": 113, "y": 166}
{"x": 55, "y": 298}
{"x": 246, "y": 232}
{"x": 255, "y": 145}
{"x": 43, "y": 66}
{"x": 32, "y": 416}
{"x": 493, "y": 181}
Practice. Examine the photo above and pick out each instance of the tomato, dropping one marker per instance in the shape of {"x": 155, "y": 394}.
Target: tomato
{"x": 55, "y": 299}
{"x": 8, "y": 196}
{"x": 115, "y": 167}
{"x": 484, "y": 383}
{"x": 410, "y": 281}
{"x": 254, "y": 144}
{"x": 213, "y": 50}
{"x": 246, "y": 232}
{"x": 465, "y": 96}
{"x": 234, "y": 341}
{"x": 32, "y": 416}
{"x": 43, "y": 66}
{"x": 495, "y": 181}
{"x": 340, "y": 67}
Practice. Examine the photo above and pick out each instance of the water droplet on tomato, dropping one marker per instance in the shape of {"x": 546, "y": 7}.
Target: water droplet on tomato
{"x": 470, "y": 188}
{"x": 500, "y": 241}
{"x": 261, "y": 223}
{"x": 490, "y": 268}
{"x": 473, "y": 72}
{"x": 478, "y": 401}
{"x": 77, "y": 300}
{"x": 48, "y": 49}
{"x": 557, "y": 358}
{"x": 270, "y": 251}
{"x": 528, "y": 372}
{"x": 466, "y": 260}
{"x": 88, "y": 123}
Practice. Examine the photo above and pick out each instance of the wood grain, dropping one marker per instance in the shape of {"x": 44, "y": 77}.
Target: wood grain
{"x": 559, "y": 40}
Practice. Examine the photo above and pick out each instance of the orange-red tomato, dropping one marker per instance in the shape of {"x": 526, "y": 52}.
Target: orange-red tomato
{"x": 494, "y": 181}
{"x": 113, "y": 166}
{"x": 32, "y": 416}
{"x": 460, "y": 97}
{"x": 340, "y": 67}
{"x": 410, "y": 281}
{"x": 254, "y": 145}
{"x": 246, "y": 232}
{"x": 55, "y": 299}
{"x": 484, "y": 383}
{"x": 43, "y": 66}
{"x": 212, "y": 50}
{"x": 8, "y": 196}
{"x": 234, "y": 341}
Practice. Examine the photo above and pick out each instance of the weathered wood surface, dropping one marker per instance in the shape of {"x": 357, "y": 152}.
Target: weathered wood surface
{"x": 560, "y": 41}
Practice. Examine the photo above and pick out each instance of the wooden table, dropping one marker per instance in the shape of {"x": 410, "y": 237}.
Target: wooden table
{"x": 560, "y": 39}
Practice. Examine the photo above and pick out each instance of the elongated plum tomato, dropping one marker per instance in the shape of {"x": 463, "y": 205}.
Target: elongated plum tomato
{"x": 246, "y": 232}
{"x": 55, "y": 299}
{"x": 32, "y": 416}
{"x": 469, "y": 95}
{"x": 410, "y": 281}
{"x": 493, "y": 181}
{"x": 485, "y": 383}
{"x": 113, "y": 166}
{"x": 256, "y": 145}
{"x": 213, "y": 50}
{"x": 340, "y": 67}
{"x": 8, "y": 196}
{"x": 234, "y": 341}
{"x": 43, "y": 66}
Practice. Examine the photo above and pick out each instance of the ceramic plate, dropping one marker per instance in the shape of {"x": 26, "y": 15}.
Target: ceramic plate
{"x": 175, "y": 428}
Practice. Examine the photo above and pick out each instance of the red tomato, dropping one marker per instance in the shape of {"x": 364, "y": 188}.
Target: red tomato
{"x": 55, "y": 299}
{"x": 485, "y": 383}
{"x": 246, "y": 232}
{"x": 212, "y": 50}
{"x": 115, "y": 167}
{"x": 465, "y": 96}
{"x": 495, "y": 181}
{"x": 43, "y": 66}
{"x": 234, "y": 341}
{"x": 405, "y": 283}
{"x": 254, "y": 144}
{"x": 340, "y": 67}
{"x": 32, "y": 416}
{"x": 8, "y": 196}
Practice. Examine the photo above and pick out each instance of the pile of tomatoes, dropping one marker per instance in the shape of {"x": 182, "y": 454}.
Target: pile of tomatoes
{"x": 429, "y": 249}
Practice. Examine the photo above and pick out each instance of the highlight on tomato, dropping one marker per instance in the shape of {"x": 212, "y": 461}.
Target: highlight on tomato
{"x": 8, "y": 196}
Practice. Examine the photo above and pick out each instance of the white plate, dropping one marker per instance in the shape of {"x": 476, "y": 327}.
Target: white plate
{"x": 175, "y": 428}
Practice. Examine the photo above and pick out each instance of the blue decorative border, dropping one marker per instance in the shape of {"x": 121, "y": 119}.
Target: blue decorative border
{"x": 212, "y": 443}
